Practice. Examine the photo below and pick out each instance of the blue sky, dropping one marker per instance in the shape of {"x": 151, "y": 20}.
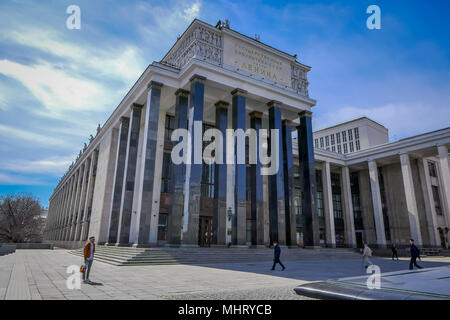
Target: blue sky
{"x": 57, "y": 84}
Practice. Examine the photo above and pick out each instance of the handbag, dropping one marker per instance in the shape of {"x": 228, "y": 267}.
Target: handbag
{"x": 83, "y": 268}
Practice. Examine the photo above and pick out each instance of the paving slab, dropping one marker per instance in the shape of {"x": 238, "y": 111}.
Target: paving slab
{"x": 423, "y": 284}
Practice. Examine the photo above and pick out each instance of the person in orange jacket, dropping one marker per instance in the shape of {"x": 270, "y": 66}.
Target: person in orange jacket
{"x": 89, "y": 250}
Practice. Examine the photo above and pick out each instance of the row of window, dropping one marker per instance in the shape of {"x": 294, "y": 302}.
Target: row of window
{"x": 333, "y": 142}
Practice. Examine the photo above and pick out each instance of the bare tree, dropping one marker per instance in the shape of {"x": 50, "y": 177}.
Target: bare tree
{"x": 20, "y": 219}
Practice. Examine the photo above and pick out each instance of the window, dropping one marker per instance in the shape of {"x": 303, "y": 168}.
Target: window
{"x": 316, "y": 143}
{"x": 332, "y": 139}
{"x": 166, "y": 173}
{"x": 338, "y": 137}
{"x": 162, "y": 226}
{"x": 356, "y": 133}
{"x": 432, "y": 169}
{"x": 345, "y": 148}
{"x": 437, "y": 200}
{"x": 344, "y": 136}
{"x": 339, "y": 149}
{"x": 169, "y": 127}
{"x": 358, "y": 147}
{"x": 321, "y": 142}
{"x": 208, "y": 180}
{"x": 351, "y": 146}
{"x": 333, "y": 148}
{"x": 328, "y": 148}
{"x": 350, "y": 134}
{"x": 327, "y": 141}
{"x": 319, "y": 203}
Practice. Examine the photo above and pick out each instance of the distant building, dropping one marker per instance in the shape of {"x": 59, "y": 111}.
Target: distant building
{"x": 351, "y": 136}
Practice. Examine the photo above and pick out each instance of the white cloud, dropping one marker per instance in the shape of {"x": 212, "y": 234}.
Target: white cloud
{"x": 402, "y": 120}
{"x": 169, "y": 21}
{"x": 14, "y": 133}
{"x": 124, "y": 62}
{"x": 9, "y": 179}
{"x": 54, "y": 166}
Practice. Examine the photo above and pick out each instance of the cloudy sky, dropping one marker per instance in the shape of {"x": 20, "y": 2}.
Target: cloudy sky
{"x": 57, "y": 84}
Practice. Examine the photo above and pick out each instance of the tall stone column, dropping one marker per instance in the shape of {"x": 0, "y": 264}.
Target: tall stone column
{"x": 308, "y": 180}
{"x": 175, "y": 218}
{"x": 277, "y": 213}
{"x": 76, "y": 211}
{"x": 87, "y": 167}
{"x": 126, "y": 203}
{"x": 444, "y": 181}
{"x": 80, "y": 201}
{"x": 148, "y": 166}
{"x": 257, "y": 195}
{"x": 288, "y": 174}
{"x": 410, "y": 196}
{"x": 328, "y": 205}
{"x": 349, "y": 220}
{"x": 376, "y": 201}
{"x": 220, "y": 180}
{"x": 65, "y": 209}
{"x": 194, "y": 176}
{"x": 430, "y": 209}
{"x": 119, "y": 173}
{"x": 89, "y": 196}
{"x": 70, "y": 207}
{"x": 239, "y": 223}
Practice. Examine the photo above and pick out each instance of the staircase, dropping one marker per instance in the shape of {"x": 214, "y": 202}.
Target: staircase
{"x": 126, "y": 256}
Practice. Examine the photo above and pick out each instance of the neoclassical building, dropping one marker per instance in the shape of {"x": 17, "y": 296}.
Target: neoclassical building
{"x": 339, "y": 186}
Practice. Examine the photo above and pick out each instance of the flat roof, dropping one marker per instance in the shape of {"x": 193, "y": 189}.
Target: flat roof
{"x": 350, "y": 121}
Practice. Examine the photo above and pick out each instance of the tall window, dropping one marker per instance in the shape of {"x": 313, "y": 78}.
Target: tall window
{"x": 344, "y": 136}
{"x": 169, "y": 127}
{"x": 432, "y": 169}
{"x": 338, "y": 137}
{"x": 162, "y": 226}
{"x": 327, "y": 141}
{"x": 316, "y": 143}
{"x": 319, "y": 193}
{"x": 350, "y": 134}
{"x": 358, "y": 147}
{"x": 166, "y": 173}
{"x": 356, "y": 133}
{"x": 321, "y": 142}
{"x": 351, "y": 146}
{"x": 354, "y": 185}
{"x": 333, "y": 148}
{"x": 437, "y": 200}
{"x": 339, "y": 148}
{"x": 207, "y": 187}
{"x": 345, "y": 148}
{"x": 332, "y": 139}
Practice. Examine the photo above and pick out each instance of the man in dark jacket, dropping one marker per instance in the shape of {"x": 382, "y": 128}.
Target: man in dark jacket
{"x": 276, "y": 255}
{"x": 394, "y": 252}
{"x": 415, "y": 253}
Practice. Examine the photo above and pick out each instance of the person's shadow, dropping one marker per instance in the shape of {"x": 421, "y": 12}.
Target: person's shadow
{"x": 92, "y": 283}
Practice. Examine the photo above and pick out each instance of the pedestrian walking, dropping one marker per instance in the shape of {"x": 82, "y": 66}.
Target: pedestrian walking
{"x": 89, "y": 250}
{"x": 367, "y": 252}
{"x": 276, "y": 255}
{"x": 394, "y": 252}
{"x": 415, "y": 253}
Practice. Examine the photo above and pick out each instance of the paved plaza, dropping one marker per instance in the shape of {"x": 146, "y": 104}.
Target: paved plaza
{"x": 41, "y": 274}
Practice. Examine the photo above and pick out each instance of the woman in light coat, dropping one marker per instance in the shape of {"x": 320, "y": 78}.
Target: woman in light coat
{"x": 366, "y": 254}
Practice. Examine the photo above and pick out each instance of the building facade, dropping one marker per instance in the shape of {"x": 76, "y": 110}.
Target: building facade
{"x": 124, "y": 188}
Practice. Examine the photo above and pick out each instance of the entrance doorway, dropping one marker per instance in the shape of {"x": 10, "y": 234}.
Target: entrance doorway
{"x": 359, "y": 239}
{"x": 205, "y": 231}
